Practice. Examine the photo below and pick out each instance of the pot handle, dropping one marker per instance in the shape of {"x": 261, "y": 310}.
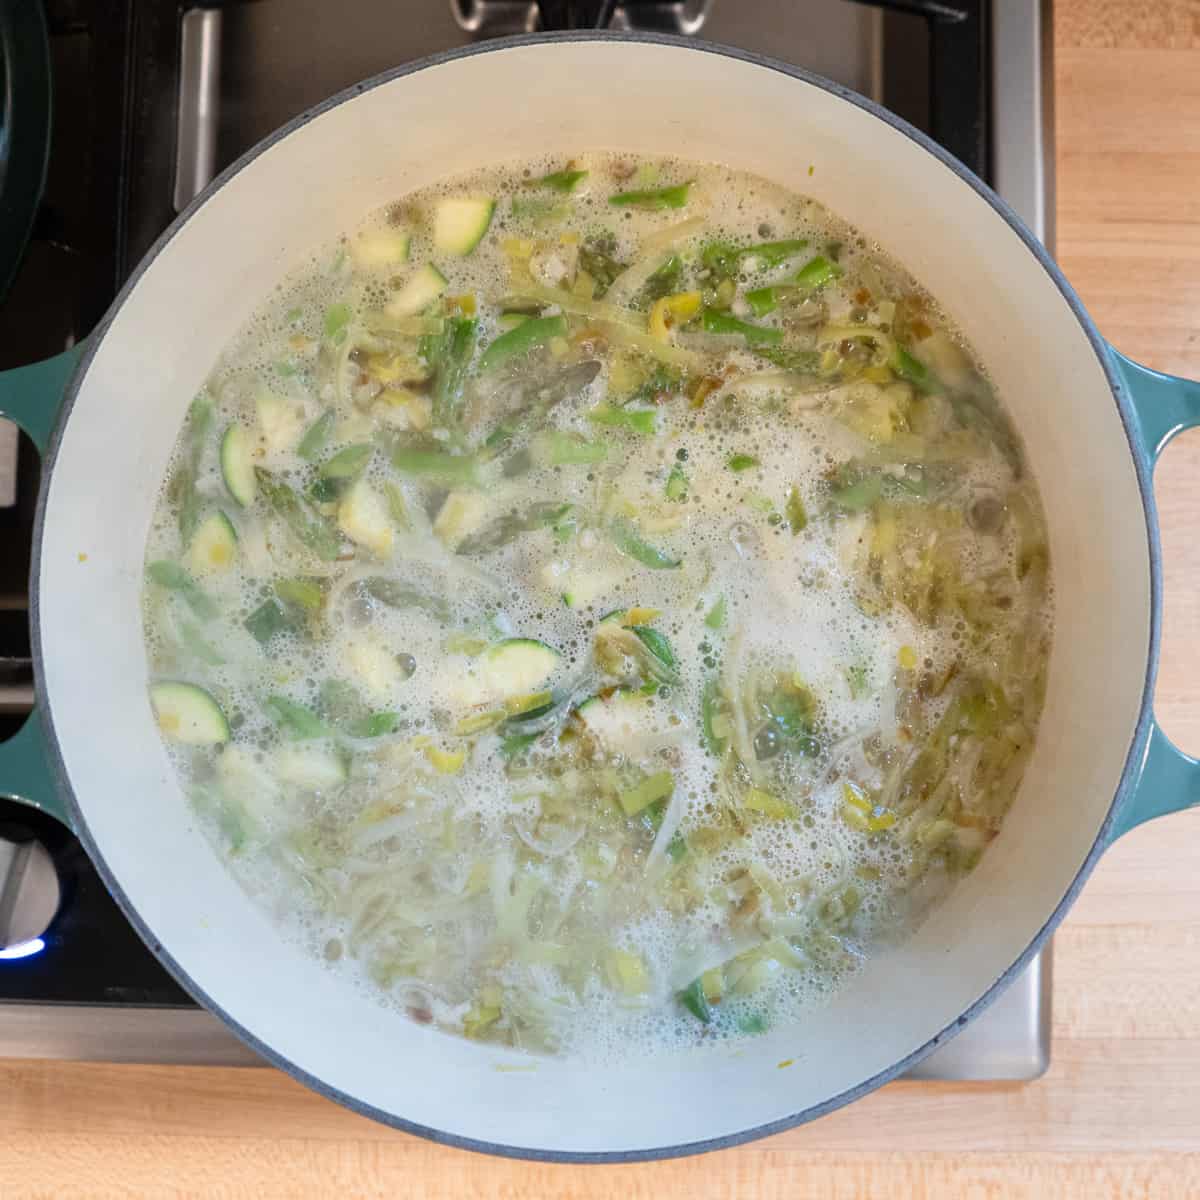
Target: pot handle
{"x": 31, "y": 396}
{"x": 1163, "y": 406}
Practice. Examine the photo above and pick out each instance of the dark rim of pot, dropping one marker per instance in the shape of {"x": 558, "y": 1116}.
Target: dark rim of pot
{"x": 1133, "y": 760}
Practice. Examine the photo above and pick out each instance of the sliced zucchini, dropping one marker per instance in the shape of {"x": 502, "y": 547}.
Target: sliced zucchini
{"x": 308, "y": 767}
{"x": 281, "y": 421}
{"x": 380, "y": 248}
{"x": 214, "y": 545}
{"x": 363, "y": 516}
{"x": 188, "y": 714}
{"x": 375, "y": 666}
{"x": 517, "y": 666}
{"x": 626, "y": 722}
{"x": 419, "y": 291}
{"x": 461, "y": 514}
{"x": 237, "y": 464}
{"x": 460, "y": 223}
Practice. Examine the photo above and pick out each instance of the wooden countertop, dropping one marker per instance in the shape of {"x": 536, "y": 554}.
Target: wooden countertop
{"x": 1118, "y": 1114}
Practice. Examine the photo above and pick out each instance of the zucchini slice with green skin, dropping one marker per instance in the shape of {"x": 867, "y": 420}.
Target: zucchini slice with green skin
{"x": 460, "y": 223}
{"x": 188, "y": 714}
{"x": 518, "y": 666}
{"x": 380, "y": 248}
{"x": 214, "y": 545}
{"x": 237, "y": 464}
{"x": 418, "y": 292}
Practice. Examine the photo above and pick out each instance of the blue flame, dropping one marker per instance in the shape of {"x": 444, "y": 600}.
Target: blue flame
{"x": 24, "y": 949}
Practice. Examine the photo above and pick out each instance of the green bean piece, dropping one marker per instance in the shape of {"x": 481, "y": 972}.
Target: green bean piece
{"x": 530, "y": 335}
{"x": 653, "y": 198}
{"x": 438, "y": 465}
{"x": 712, "y": 320}
{"x": 300, "y": 723}
{"x": 630, "y": 542}
{"x": 173, "y": 577}
{"x": 639, "y": 420}
{"x": 816, "y": 273}
{"x": 562, "y": 181}
{"x": 696, "y": 1002}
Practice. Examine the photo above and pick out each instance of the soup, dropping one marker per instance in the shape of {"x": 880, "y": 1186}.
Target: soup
{"x": 597, "y": 605}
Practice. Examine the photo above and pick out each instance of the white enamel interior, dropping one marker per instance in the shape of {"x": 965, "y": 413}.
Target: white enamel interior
{"x": 511, "y": 102}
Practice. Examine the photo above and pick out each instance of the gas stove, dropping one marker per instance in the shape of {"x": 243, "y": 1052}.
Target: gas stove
{"x": 154, "y": 97}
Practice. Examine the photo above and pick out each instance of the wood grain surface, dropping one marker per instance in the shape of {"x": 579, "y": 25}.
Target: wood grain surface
{"x": 1118, "y": 1114}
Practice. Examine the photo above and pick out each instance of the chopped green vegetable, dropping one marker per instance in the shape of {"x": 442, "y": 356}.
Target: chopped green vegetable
{"x": 267, "y": 620}
{"x": 448, "y": 355}
{"x": 762, "y": 301}
{"x": 395, "y": 594}
{"x": 301, "y": 592}
{"x": 337, "y": 317}
{"x": 317, "y": 435}
{"x": 311, "y": 529}
{"x": 714, "y": 321}
{"x": 788, "y": 358}
{"x": 653, "y": 787}
{"x": 596, "y": 259}
{"x": 725, "y": 259}
{"x": 173, "y": 577}
{"x": 376, "y": 725}
{"x": 530, "y": 335}
{"x": 696, "y": 1002}
{"x": 640, "y": 420}
{"x": 741, "y": 462}
{"x": 511, "y": 525}
{"x": 677, "y": 484}
{"x": 630, "y": 542}
{"x": 557, "y": 449}
{"x": 348, "y": 463}
{"x": 656, "y": 643}
{"x": 857, "y": 495}
{"x": 300, "y": 723}
{"x": 182, "y": 488}
{"x": 771, "y": 254}
{"x": 438, "y": 465}
{"x": 715, "y": 618}
{"x": 911, "y": 368}
{"x": 562, "y": 181}
{"x": 758, "y": 800}
{"x": 677, "y": 847}
{"x": 397, "y": 509}
{"x": 514, "y": 744}
{"x": 856, "y": 677}
{"x": 817, "y": 273}
{"x": 720, "y": 257}
{"x": 664, "y": 280}
{"x": 797, "y": 514}
{"x": 653, "y": 198}
{"x": 714, "y": 740}
{"x": 752, "y": 1023}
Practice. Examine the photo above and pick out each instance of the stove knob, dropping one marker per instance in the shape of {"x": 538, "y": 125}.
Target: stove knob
{"x": 29, "y": 891}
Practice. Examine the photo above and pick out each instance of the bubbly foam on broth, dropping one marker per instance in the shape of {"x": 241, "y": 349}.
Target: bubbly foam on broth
{"x": 447, "y": 885}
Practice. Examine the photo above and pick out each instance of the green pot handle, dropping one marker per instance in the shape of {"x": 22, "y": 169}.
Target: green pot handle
{"x": 1163, "y": 406}
{"x": 31, "y": 396}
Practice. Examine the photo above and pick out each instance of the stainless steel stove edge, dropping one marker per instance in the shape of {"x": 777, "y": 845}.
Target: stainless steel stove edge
{"x": 1008, "y": 1043}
